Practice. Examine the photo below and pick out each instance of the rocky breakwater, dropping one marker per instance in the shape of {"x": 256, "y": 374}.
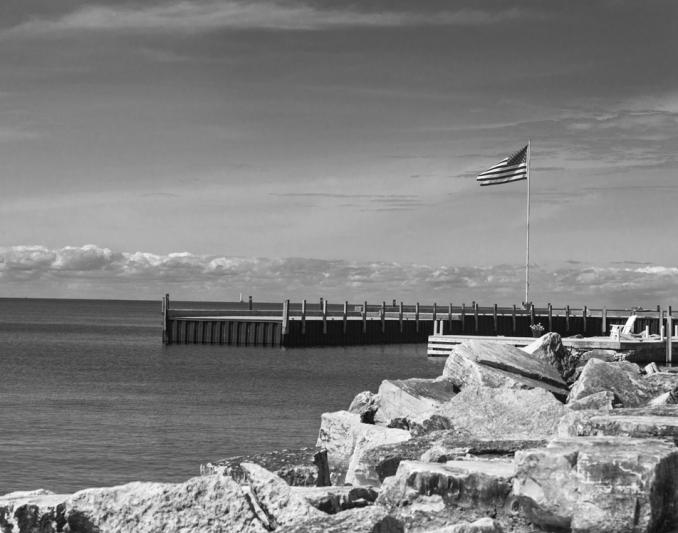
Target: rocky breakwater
{"x": 505, "y": 440}
{"x": 533, "y": 439}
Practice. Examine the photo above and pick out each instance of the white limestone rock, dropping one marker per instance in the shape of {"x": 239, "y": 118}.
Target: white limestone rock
{"x": 206, "y": 503}
{"x": 414, "y": 398}
{"x": 361, "y": 472}
{"x": 490, "y": 364}
{"x": 602, "y": 484}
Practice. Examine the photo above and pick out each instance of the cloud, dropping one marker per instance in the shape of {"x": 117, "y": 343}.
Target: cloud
{"x": 364, "y": 202}
{"x": 92, "y": 271}
{"x": 194, "y": 16}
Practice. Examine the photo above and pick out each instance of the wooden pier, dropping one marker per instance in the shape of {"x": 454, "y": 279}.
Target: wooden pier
{"x": 322, "y": 323}
{"x": 297, "y": 324}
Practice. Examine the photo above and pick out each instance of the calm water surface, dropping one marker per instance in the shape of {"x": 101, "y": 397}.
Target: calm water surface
{"x": 90, "y": 397}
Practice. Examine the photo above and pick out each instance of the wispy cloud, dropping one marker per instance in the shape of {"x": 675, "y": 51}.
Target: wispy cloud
{"x": 210, "y": 15}
{"x": 98, "y": 271}
{"x": 365, "y": 202}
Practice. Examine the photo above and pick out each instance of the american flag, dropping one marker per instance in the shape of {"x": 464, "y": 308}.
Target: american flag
{"x": 513, "y": 168}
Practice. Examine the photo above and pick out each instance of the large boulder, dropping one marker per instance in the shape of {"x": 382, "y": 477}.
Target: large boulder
{"x": 414, "y": 398}
{"x": 642, "y": 422}
{"x": 602, "y": 484}
{"x": 503, "y": 413}
{"x": 337, "y": 435}
{"x": 480, "y": 485}
{"x": 625, "y": 381}
{"x": 484, "y": 363}
{"x": 359, "y": 472}
{"x": 304, "y": 467}
{"x": 206, "y": 503}
{"x": 341, "y": 431}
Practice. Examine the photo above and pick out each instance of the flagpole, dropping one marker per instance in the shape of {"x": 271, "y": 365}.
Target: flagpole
{"x": 527, "y": 246}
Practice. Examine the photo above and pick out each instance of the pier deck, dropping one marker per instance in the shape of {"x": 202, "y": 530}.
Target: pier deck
{"x": 653, "y": 349}
{"x": 324, "y": 324}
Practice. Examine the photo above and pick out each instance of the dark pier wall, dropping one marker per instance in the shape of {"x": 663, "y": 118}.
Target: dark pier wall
{"x": 354, "y": 332}
{"x": 231, "y": 332}
{"x": 243, "y": 332}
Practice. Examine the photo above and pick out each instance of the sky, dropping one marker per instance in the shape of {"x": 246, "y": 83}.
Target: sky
{"x": 306, "y": 148}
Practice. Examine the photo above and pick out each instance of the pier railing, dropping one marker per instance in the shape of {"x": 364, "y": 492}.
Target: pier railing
{"x": 321, "y": 322}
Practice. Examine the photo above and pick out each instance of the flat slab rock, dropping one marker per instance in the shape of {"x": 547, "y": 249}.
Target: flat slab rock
{"x": 599, "y": 484}
{"x": 484, "y": 363}
{"x": 442, "y": 446}
{"x": 473, "y": 483}
{"x": 505, "y": 413}
{"x": 642, "y": 422}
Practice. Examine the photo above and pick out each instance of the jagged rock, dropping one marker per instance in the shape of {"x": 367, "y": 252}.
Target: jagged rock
{"x": 304, "y": 467}
{"x": 608, "y": 356}
{"x": 365, "y": 404}
{"x": 341, "y": 431}
{"x": 549, "y": 348}
{"x": 332, "y": 500}
{"x": 621, "y": 379}
{"x": 359, "y": 472}
{"x": 659, "y": 383}
{"x": 484, "y": 363}
{"x": 484, "y": 525}
{"x": 414, "y": 398}
{"x": 470, "y": 484}
{"x": 38, "y": 511}
{"x": 603, "y": 400}
{"x": 281, "y": 505}
{"x": 642, "y": 422}
{"x": 505, "y": 413}
{"x": 205, "y": 503}
{"x": 441, "y": 446}
{"x": 601, "y": 484}
{"x": 372, "y": 519}
{"x": 624, "y": 380}
{"x": 667, "y": 398}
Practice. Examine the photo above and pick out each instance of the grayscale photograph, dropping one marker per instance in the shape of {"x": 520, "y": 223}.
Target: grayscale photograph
{"x": 338, "y": 266}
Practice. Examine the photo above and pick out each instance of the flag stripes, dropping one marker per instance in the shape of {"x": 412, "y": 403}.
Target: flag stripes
{"x": 512, "y": 168}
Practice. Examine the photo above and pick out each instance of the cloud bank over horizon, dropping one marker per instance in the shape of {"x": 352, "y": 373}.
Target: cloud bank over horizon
{"x": 213, "y": 15}
{"x": 99, "y": 272}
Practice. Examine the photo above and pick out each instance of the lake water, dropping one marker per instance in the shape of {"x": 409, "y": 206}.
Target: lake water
{"x": 90, "y": 397}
